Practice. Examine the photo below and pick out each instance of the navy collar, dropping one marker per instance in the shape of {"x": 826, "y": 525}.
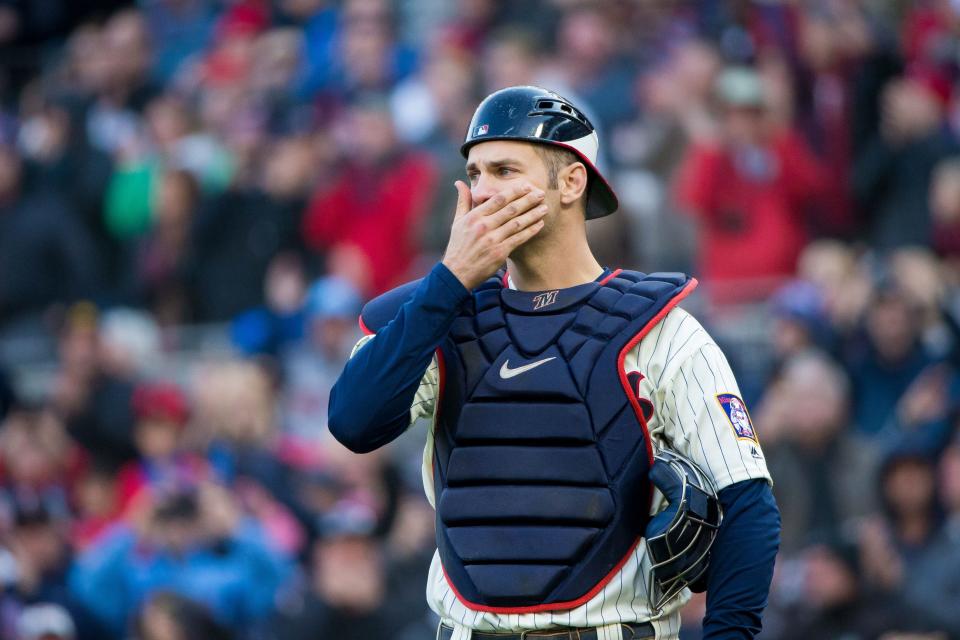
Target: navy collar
{"x": 553, "y": 300}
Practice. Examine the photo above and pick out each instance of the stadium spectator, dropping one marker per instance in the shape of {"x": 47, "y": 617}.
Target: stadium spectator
{"x": 755, "y": 182}
{"x": 46, "y": 255}
{"x": 36, "y": 463}
{"x": 933, "y": 581}
{"x": 157, "y": 269}
{"x": 589, "y": 64}
{"x": 826, "y": 469}
{"x": 160, "y": 415}
{"x": 366, "y": 58}
{"x": 193, "y": 542}
{"x": 40, "y": 564}
{"x": 101, "y": 358}
{"x": 443, "y": 91}
{"x": 59, "y": 156}
{"x": 271, "y": 329}
{"x": 910, "y": 517}
{"x": 892, "y": 173}
{"x": 97, "y": 505}
{"x": 945, "y": 207}
{"x": 833, "y": 600}
{"x": 311, "y": 366}
{"x": 346, "y": 596}
{"x": 179, "y": 30}
{"x": 380, "y": 195}
{"x": 237, "y": 234}
{"x": 237, "y": 421}
{"x": 887, "y": 360}
{"x": 118, "y": 85}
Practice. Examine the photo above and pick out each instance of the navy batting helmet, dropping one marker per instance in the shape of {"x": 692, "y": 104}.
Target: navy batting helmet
{"x": 532, "y": 114}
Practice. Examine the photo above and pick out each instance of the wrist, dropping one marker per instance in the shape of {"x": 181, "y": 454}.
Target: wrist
{"x": 453, "y": 282}
{"x": 459, "y": 273}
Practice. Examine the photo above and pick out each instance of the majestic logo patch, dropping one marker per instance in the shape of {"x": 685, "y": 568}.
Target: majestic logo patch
{"x": 506, "y": 372}
{"x": 545, "y": 299}
{"x": 482, "y": 130}
{"x": 737, "y": 414}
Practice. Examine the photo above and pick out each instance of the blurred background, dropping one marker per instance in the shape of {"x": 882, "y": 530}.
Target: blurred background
{"x": 196, "y": 197}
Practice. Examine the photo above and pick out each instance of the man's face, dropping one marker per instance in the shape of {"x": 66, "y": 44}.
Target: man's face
{"x": 498, "y": 165}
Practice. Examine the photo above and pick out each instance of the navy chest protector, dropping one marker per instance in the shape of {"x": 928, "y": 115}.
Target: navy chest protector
{"x": 541, "y": 449}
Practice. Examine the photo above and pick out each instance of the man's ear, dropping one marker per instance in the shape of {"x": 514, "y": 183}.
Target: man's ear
{"x": 572, "y": 182}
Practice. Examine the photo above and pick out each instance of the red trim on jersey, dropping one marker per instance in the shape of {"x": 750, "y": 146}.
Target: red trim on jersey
{"x": 364, "y": 327}
{"x": 505, "y": 280}
{"x": 554, "y": 606}
{"x": 634, "y": 400}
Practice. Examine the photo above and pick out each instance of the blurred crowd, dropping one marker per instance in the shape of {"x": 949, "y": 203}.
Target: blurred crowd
{"x": 253, "y": 170}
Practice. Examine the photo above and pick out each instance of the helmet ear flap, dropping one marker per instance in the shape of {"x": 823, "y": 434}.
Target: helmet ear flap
{"x": 680, "y": 537}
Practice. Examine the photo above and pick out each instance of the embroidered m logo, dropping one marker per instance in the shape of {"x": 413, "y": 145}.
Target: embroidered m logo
{"x": 545, "y": 299}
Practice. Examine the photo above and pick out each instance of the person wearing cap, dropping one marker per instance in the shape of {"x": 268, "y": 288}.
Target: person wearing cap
{"x": 558, "y": 394}
{"x": 161, "y": 413}
{"x": 750, "y": 189}
{"x": 311, "y": 366}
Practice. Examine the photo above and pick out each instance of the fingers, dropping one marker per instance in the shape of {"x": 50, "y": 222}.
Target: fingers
{"x": 522, "y": 236}
{"x": 512, "y": 226}
{"x": 502, "y": 199}
{"x": 515, "y": 208}
{"x": 464, "y": 199}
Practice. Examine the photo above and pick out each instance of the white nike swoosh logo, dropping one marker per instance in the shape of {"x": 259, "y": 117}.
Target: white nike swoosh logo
{"x": 507, "y": 372}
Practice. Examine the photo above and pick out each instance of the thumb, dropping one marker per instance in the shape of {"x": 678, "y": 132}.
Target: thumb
{"x": 464, "y": 199}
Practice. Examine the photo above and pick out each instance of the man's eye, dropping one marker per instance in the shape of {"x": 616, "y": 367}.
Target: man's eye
{"x": 472, "y": 177}
{"x": 503, "y": 171}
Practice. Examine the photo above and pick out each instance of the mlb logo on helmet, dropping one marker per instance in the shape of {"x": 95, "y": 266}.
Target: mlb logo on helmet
{"x": 482, "y": 130}
{"x": 736, "y": 411}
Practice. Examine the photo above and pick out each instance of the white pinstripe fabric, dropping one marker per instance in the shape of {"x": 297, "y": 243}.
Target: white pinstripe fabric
{"x": 683, "y": 371}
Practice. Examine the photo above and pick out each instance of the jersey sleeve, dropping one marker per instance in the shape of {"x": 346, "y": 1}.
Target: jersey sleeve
{"x": 698, "y": 409}
{"x": 370, "y": 402}
{"x": 424, "y": 401}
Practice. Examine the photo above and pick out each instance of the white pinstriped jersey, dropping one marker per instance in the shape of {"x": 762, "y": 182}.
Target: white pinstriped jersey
{"x": 686, "y": 377}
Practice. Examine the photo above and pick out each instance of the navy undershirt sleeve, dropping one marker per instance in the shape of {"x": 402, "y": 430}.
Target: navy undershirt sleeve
{"x": 370, "y": 402}
{"x": 741, "y": 561}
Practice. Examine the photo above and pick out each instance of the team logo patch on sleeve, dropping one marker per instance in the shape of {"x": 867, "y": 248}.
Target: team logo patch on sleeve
{"x": 737, "y": 414}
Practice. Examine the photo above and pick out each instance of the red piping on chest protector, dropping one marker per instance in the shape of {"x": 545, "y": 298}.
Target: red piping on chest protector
{"x": 635, "y": 403}
{"x": 631, "y": 396}
{"x": 364, "y": 327}
{"x": 607, "y": 278}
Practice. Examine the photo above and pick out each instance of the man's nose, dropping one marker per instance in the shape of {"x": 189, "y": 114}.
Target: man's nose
{"x": 482, "y": 190}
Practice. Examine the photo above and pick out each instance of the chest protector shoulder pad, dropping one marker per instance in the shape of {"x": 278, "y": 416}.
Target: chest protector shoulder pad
{"x": 541, "y": 449}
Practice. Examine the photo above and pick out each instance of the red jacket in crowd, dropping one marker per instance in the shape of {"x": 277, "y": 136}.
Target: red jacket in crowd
{"x": 751, "y": 204}
{"x": 377, "y": 210}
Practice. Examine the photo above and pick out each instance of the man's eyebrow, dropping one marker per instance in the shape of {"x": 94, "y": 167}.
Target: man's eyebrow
{"x": 493, "y": 164}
